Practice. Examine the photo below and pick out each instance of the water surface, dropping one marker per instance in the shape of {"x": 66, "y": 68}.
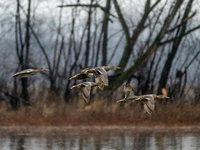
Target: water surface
{"x": 99, "y": 138}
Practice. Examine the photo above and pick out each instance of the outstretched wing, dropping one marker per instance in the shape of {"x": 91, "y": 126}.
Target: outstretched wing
{"x": 126, "y": 91}
{"x": 149, "y": 103}
{"x": 85, "y": 70}
{"x": 146, "y": 108}
{"x": 129, "y": 92}
{"x": 86, "y": 93}
{"x": 101, "y": 77}
{"x": 98, "y": 80}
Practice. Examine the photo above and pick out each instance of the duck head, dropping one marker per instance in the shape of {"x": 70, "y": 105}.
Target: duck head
{"x": 74, "y": 77}
{"x": 75, "y": 87}
{"x": 42, "y": 69}
{"x": 115, "y": 68}
{"x": 45, "y": 70}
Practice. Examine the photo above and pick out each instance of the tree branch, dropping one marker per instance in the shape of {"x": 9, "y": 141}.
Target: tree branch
{"x": 173, "y": 39}
{"x": 88, "y": 5}
{"x": 42, "y": 48}
{"x": 185, "y": 20}
{"x": 122, "y": 20}
{"x": 144, "y": 58}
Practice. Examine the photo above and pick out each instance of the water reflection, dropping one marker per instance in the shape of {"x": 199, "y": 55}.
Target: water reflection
{"x": 101, "y": 140}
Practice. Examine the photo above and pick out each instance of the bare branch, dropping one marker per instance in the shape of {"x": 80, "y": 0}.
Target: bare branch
{"x": 185, "y": 20}
{"x": 41, "y": 47}
{"x": 88, "y": 5}
{"x": 186, "y": 33}
{"x": 122, "y": 20}
{"x": 144, "y": 58}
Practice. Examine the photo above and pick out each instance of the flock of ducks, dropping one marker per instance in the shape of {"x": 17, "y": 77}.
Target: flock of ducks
{"x": 101, "y": 80}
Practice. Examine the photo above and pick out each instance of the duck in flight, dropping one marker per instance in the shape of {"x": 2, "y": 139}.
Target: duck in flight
{"x": 28, "y": 72}
{"x": 147, "y": 100}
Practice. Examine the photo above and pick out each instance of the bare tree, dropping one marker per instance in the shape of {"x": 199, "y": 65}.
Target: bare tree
{"x": 151, "y": 49}
{"x": 23, "y": 46}
{"x": 180, "y": 31}
{"x": 105, "y": 31}
{"x": 132, "y": 39}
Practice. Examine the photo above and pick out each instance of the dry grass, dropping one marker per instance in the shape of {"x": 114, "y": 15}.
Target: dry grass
{"x": 44, "y": 113}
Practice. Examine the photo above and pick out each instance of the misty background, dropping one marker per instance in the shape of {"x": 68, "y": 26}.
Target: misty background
{"x": 155, "y": 42}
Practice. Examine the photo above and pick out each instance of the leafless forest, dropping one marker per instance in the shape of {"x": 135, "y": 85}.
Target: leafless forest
{"x": 155, "y": 42}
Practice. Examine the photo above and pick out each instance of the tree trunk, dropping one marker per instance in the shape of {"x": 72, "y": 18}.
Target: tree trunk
{"x": 131, "y": 40}
{"x": 105, "y": 36}
{"x": 87, "y": 51}
{"x": 144, "y": 58}
{"x": 24, "y": 59}
{"x": 179, "y": 36}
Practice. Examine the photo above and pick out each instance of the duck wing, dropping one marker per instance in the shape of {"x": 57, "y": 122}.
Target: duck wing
{"x": 129, "y": 92}
{"x": 149, "y": 103}
{"x": 101, "y": 77}
{"x": 97, "y": 80}
{"x": 85, "y": 70}
{"x": 146, "y": 108}
{"x": 83, "y": 75}
{"x": 86, "y": 92}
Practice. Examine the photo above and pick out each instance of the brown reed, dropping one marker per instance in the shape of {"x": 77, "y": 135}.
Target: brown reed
{"x": 49, "y": 113}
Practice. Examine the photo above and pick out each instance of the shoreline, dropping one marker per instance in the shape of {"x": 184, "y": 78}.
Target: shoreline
{"x": 131, "y": 128}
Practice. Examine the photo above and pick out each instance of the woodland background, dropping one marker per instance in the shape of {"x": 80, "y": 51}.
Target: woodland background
{"x": 155, "y": 42}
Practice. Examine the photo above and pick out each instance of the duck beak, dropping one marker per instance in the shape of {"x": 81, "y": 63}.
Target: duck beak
{"x": 74, "y": 87}
{"x": 72, "y": 78}
{"x": 45, "y": 70}
{"x": 15, "y": 75}
{"x": 121, "y": 101}
{"x": 117, "y": 67}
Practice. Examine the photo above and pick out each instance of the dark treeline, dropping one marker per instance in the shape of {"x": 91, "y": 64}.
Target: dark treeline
{"x": 155, "y": 42}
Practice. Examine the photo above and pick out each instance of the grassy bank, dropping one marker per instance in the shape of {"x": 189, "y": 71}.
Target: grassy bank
{"x": 100, "y": 114}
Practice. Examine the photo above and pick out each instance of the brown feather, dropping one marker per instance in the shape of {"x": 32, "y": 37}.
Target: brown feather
{"x": 86, "y": 93}
{"x": 147, "y": 110}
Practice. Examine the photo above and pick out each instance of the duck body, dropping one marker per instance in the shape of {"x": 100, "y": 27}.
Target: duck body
{"x": 28, "y": 72}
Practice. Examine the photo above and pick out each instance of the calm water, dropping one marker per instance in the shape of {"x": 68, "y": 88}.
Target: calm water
{"x": 99, "y": 139}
